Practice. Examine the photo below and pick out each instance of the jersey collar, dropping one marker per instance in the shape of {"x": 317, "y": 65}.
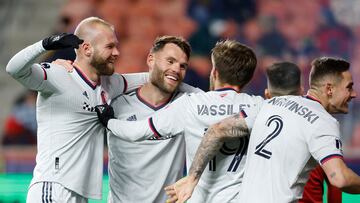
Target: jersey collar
{"x": 225, "y": 89}
{"x": 312, "y": 98}
{"x": 85, "y": 78}
{"x": 155, "y": 108}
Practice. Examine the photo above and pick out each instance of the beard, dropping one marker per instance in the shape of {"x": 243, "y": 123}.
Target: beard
{"x": 157, "y": 78}
{"x": 103, "y": 66}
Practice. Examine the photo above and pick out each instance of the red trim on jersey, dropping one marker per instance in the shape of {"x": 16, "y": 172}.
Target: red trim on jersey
{"x": 45, "y": 74}
{"x": 125, "y": 84}
{"x": 153, "y": 129}
{"x": 312, "y": 98}
{"x": 155, "y": 108}
{"x": 332, "y": 156}
{"x": 85, "y": 78}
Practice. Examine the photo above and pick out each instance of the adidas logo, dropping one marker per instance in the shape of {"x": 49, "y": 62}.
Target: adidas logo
{"x": 132, "y": 118}
{"x": 85, "y": 94}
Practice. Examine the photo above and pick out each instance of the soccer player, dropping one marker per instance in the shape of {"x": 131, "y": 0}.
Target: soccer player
{"x": 290, "y": 136}
{"x": 69, "y": 162}
{"x": 191, "y": 115}
{"x": 283, "y": 78}
{"x": 148, "y": 166}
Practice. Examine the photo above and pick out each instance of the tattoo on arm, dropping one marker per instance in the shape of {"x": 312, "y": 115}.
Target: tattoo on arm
{"x": 232, "y": 127}
{"x": 332, "y": 175}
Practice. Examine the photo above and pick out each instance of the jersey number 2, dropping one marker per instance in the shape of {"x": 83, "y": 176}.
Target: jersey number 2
{"x": 260, "y": 148}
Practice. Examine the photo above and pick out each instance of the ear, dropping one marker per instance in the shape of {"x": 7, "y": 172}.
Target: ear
{"x": 329, "y": 88}
{"x": 150, "y": 61}
{"x": 87, "y": 48}
{"x": 267, "y": 93}
{"x": 215, "y": 73}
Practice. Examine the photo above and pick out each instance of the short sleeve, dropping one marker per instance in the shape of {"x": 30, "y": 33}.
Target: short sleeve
{"x": 324, "y": 143}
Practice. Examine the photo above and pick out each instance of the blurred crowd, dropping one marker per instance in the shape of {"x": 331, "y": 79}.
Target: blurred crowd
{"x": 296, "y": 31}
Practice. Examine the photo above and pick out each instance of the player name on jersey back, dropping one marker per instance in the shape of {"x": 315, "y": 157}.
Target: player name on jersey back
{"x": 295, "y": 107}
{"x": 221, "y": 109}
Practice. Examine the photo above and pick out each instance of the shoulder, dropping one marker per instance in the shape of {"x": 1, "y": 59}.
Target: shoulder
{"x": 49, "y": 67}
{"x": 253, "y": 98}
{"x": 125, "y": 96}
{"x": 55, "y": 73}
{"x": 114, "y": 78}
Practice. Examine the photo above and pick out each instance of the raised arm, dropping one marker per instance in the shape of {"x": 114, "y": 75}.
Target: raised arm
{"x": 341, "y": 176}
{"x": 227, "y": 129}
{"x": 22, "y": 67}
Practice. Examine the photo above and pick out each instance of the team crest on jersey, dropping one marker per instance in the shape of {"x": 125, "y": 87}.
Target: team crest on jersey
{"x": 338, "y": 144}
{"x": 88, "y": 107}
{"x": 132, "y": 118}
{"x": 45, "y": 65}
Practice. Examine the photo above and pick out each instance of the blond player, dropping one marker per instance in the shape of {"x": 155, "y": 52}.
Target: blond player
{"x": 69, "y": 162}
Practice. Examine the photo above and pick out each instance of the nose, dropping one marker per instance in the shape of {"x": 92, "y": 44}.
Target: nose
{"x": 176, "y": 68}
{"x": 353, "y": 94}
{"x": 115, "y": 51}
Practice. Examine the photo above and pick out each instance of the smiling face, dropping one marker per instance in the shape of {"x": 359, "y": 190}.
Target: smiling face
{"x": 167, "y": 67}
{"x": 341, "y": 94}
{"x": 105, "y": 52}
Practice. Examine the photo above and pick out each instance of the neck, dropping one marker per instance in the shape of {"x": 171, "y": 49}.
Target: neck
{"x": 225, "y": 85}
{"x": 319, "y": 96}
{"x": 153, "y": 94}
{"x": 88, "y": 70}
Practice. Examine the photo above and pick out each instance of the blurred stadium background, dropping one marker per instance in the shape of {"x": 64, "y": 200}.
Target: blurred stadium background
{"x": 296, "y": 31}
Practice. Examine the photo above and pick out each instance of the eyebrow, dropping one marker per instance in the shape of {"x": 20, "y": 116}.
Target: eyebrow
{"x": 172, "y": 58}
{"x": 350, "y": 84}
{"x": 186, "y": 65}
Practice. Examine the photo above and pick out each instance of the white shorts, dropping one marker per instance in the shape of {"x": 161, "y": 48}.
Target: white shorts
{"x": 52, "y": 192}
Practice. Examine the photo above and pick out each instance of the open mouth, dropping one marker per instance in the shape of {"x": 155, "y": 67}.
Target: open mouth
{"x": 172, "y": 77}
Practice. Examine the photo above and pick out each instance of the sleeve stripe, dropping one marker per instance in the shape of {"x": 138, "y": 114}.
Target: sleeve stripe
{"x": 45, "y": 74}
{"x": 125, "y": 84}
{"x": 331, "y": 156}
{"x": 152, "y": 127}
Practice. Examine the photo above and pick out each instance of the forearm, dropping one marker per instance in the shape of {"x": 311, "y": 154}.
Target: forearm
{"x": 339, "y": 175}
{"x": 229, "y": 128}
{"x": 209, "y": 146}
{"x": 130, "y": 130}
{"x": 352, "y": 184}
{"x": 20, "y": 64}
